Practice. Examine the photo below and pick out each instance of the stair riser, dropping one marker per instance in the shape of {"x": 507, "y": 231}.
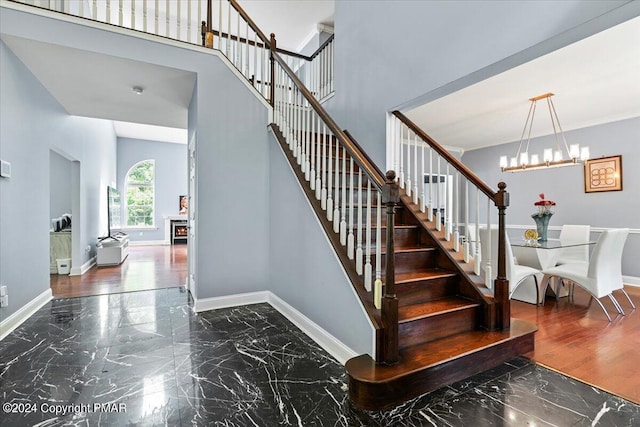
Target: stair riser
{"x": 408, "y": 261}
{"x": 435, "y": 327}
{"x": 385, "y": 395}
{"x": 401, "y": 237}
{"x": 426, "y": 290}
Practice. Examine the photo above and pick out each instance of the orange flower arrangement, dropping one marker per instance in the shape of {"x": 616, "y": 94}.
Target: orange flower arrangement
{"x": 544, "y": 206}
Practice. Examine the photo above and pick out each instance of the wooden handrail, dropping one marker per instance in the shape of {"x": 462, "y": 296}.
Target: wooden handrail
{"x": 322, "y": 46}
{"x": 458, "y": 165}
{"x": 249, "y": 21}
{"x": 361, "y": 160}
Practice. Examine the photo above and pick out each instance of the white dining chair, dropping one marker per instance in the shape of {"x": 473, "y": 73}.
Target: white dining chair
{"x": 602, "y": 274}
{"x": 516, "y": 274}
{"x": 571, "y": 234}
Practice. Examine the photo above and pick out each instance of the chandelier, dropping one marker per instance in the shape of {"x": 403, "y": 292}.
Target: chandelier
{"x": 550, "y": 157}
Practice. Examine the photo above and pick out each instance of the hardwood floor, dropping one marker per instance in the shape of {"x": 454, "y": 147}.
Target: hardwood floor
{"x": 576, "y": 339}
{"x": 573, "y": 338}
{"x": 146, "y": 267}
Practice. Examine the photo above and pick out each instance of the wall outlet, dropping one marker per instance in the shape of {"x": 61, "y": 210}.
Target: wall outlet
{"x": 3, "y": 291}
{"x": 88, "y": 248}
{"x": 4, "y": 301}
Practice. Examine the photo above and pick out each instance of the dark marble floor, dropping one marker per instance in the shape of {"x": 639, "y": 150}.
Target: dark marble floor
{"x": 144, "y": 358}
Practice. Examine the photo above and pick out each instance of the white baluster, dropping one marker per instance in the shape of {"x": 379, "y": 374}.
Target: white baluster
{"x": 350, "y": 237}
{"x": 315, "y": 154}
{"x": 145, "y": 13}
{"x": 246, "y": 51}
{"x": 487, "y": 254}
{"x": 168, "y": 18}
{"x": 415, "y": 170}
{"x": 255, "y": 59}
{"x": 395, "y": 124}
{"x": 307, "y": 150}
{"x": 359, "y": 230}
{"x": 343, "y": 204}
{"x": 336, "y": 198}
{"x": 367, "y": 264}
{"x": 94, "y": 11}
{"x": 466, "y": 246}
{"x": 179, "y": 21}
{"x": 331, "y": 62}
{"x": 476, "y": 257}
{"x": 133, "y": 14}
{"x": 330, "y": 178}
{"x": 228, "y": 41}
{"x": 423, "y": 201}
{"x": 219, "y": 25}
{"x": 430, "y": 204}
{"x": 401, "y": 176}
{"x": 308, "y": 147}
{"x": 447, "y": 207}
{"x": 377, "y": 286}
{"x": 456, "y": 213}
{"x": 120, "y": 15}
{"x": 438, "y": 198}
{"x": 157, "y": 18}
{"x": 407, "y": 185}
{"x": 238, "y": 53}
{"x": 322, "y": 164}
{"x": 108, "y": 20}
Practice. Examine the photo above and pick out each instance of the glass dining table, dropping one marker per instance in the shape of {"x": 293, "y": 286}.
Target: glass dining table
{"x": 539, "y": 255}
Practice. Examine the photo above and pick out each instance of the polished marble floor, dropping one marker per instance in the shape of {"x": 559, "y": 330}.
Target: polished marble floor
{"x": 144, "y": 358}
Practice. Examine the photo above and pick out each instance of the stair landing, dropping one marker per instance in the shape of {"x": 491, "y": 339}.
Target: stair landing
{"x": 428, "y": 366}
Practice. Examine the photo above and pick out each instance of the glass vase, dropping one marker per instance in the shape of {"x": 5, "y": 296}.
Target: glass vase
{"x": 542, "y": 224}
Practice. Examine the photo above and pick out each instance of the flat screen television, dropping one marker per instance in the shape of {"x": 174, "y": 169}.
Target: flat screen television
{"x": 114, "y": 210}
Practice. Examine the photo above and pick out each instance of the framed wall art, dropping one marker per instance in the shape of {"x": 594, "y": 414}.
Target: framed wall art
{"x": 603, "y": 174}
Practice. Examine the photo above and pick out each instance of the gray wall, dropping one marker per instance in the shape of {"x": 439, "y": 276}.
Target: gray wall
{"x": 170, "y": 179}
{"x": 232, "y": 150}
{"x": 24, "y": 198}
{"x": 566, "y": 185}
{"x": 305, "y": 271}
{"x": 60, "y": 185}
{"x": 388, "y": 53}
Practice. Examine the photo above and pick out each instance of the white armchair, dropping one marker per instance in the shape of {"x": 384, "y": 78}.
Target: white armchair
{"x": 602, "y": 274}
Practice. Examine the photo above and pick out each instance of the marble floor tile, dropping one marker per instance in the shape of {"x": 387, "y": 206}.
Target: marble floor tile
{"x": 145, "y": 358}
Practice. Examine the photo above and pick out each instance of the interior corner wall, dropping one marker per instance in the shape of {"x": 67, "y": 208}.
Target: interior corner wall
{"x": 232, "y": 197}
{"x": 566, "y": 185}
{"x": 32, "y": 124}
{"x": 305, "y": 271}
{"x": 60, "y": 183}
{"x": 170, "y": 180}
{"x": 390, "y": 52}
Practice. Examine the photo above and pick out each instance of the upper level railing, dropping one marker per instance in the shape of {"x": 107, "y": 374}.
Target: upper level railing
{"x": 234, "y": 33}
{"x": 453, "y": 196}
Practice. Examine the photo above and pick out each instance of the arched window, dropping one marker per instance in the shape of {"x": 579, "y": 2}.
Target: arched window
{"x": 140, "y": 195}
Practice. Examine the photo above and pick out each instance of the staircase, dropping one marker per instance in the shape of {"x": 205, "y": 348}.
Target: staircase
{"x": 436, "y": 320}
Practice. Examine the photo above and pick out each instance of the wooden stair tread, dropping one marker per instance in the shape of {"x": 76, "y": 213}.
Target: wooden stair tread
{"x": 422, "y": 274}
{"x": 408, "y": 249}
{"x": 408, "y": 313}
{"x": 430, "y": 354}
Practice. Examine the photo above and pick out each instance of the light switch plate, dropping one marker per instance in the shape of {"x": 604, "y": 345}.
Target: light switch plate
{"x": 5, "y": 169}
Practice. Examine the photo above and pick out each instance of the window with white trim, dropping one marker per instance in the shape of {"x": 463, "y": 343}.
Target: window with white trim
{"x": 140, "y": 194}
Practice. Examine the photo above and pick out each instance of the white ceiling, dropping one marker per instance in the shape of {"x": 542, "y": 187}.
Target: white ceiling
{"x": 595, "y": 81}
{"x": 292, "y": 21}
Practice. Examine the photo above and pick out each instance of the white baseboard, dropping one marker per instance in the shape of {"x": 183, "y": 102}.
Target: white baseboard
{"x": 206, "y": 304}
{"x": 149, "y": 243}
{"x": 324, "y": 339}
{"x": 17, "y": 318}
{"x": 75, "y": 271}
{"x": 631, "y": 280}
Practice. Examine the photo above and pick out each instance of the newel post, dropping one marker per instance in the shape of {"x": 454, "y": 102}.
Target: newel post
{"x": 501, "y": 283}
{"x": 390, "y": 197}
{"x": 272, "y": 48}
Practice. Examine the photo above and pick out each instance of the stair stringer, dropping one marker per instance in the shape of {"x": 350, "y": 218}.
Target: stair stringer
{"x": 301, "y": 299}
